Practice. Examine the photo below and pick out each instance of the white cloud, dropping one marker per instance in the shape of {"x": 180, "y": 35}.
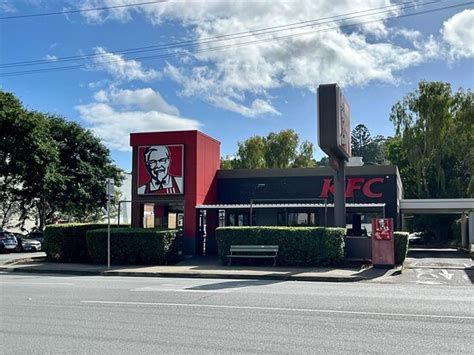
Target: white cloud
{"x": 51, "y": 58}
{"x": 230, "y": 78}
{"x": 240, "y": 78}
{"x": 144, "y": 99}
{"x": 122, "y": 69}
{"x": 7, "y": 6}
{"x": 116, "y": 113}
{"x": 458, "y": 34}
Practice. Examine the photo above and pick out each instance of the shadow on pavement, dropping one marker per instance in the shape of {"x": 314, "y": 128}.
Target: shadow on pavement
{"x": 233, "y": 284}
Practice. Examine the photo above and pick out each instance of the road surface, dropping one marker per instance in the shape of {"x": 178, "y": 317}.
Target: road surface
{"x": 115, "y": 315}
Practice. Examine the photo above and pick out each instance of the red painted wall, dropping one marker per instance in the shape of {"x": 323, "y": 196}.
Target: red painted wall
{"x": 201, "y": 162}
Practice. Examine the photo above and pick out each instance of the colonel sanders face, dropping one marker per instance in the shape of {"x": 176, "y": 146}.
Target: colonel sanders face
{"x": 157, "y": 161}
{"x": 381, "y": 223}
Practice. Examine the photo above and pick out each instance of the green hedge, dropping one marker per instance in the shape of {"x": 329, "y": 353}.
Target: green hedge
{"x": 401, "y": 246}
{"x": 135, "y": 246}
{"x": 67, "y": 242}
{"x": 302, "y": 246}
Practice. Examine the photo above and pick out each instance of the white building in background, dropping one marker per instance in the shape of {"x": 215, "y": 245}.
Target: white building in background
{"x": 125, "y": 201}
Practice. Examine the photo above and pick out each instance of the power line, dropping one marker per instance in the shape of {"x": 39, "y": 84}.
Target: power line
{"x": 238, "y": 35}
{"x": 82, "y": 10}
{"x": 242, "y": 44}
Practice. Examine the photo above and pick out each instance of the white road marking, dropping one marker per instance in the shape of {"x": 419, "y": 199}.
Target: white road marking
{"x": 306, "y": 310}
{"x": 160, "y": 289}
{"x": 429, "y": 272}
{"x": 446, "y": 274}
{"x": 429, "y": 282}
{"x": 35, "y": 283}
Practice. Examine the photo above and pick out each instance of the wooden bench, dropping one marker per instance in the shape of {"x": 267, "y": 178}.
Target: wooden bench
{"x": 253, "y": 251}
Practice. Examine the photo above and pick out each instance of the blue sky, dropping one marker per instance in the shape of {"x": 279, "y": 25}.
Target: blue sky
{"x": 242, "y": 90}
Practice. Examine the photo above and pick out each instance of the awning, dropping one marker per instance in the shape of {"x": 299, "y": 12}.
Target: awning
{"x": 287, "y": 205}
{"x": 437, "y": 206}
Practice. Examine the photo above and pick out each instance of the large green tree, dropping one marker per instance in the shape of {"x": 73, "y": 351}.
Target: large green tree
{"x": 433, "y": 148}
{"x": 434, "y": 133}
{"x": 371, "y": 149}
{"x": 276, "y": 150}
{"x": 251, "y": 153}
{"x": 50, "y": 167}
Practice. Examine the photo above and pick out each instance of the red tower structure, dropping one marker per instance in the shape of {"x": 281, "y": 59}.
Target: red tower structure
{"x": 172, "y": 172}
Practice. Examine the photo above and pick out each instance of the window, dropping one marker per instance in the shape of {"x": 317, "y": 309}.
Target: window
{"x": 238, "y": 219}
{"x": 297, "y": 219}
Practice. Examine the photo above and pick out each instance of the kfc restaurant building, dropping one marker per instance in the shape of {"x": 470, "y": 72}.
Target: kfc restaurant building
{"x": 177, "y": 181}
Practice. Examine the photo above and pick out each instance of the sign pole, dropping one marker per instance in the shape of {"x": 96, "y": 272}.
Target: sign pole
{"x": 339, "y": 166}
{"x": 109, "y": 190}
{"x": 108, "y": 231}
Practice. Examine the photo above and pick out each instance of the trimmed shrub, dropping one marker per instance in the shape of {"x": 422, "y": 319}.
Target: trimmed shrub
{"x": 302, "y": 246}
{"x": 67, "y": 242}
{"x": 135, "y": 246}
{"x": 401, "y": 246}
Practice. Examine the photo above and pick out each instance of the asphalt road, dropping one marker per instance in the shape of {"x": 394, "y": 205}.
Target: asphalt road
{"x": 114, "y": 315}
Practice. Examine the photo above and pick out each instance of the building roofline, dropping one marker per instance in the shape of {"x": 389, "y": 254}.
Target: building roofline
{"x": 295, "y": 172}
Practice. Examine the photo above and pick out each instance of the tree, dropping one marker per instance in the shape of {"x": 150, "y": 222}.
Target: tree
{"x": 227, "y": 163}
{"x": 433, "y": 148}
{"x": 436, "y": 131}
{"x": 363, "y": 145}
{"x": 84, "y": 166}
{"x": 27, "y": 154}
{"x": 281, "y": 148}
{"x": 305, "y": 159}
{"x": 251, "y": 153}
{"x": 324, "y": 162}
{"x": 277, "y": 150}
{"x": 50, "y": 166}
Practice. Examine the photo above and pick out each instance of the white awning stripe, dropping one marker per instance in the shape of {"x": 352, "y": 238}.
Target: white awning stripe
{"x": 287, "y": 205}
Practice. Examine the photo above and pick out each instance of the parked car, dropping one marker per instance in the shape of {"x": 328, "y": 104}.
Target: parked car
{"x": 415, "y": 238}
{"x": 8, "y": 243}
{"x": 37, "y": 235}
{"x": 30, "y": 245}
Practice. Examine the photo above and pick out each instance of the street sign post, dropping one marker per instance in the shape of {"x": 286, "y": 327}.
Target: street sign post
{"x": 109, "y": 190}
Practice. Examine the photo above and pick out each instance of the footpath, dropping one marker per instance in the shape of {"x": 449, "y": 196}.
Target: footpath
{"x": 203, "y": 267}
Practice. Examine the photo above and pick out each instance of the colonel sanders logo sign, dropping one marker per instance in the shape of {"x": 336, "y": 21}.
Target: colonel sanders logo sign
{"x": 160, "y": 170}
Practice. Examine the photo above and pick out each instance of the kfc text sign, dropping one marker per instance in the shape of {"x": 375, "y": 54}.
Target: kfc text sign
{"x": 354, "y": 184}
{"x": 160, "y": 170}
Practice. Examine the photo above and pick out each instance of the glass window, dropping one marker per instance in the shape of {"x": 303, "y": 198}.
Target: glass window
{"x": 314, "y": 219}
{"x": 238, "y": 219}
{"x": 281, "y": 220}
{"x": 231, "y": 219}
{"x": 297, "y": 219}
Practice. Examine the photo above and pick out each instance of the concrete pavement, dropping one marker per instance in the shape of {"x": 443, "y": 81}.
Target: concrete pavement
{"x": 428, "y": 266}
{"x": 205, "y": 268}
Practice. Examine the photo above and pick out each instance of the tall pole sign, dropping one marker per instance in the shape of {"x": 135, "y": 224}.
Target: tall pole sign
{"x": 334, "y": 138}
